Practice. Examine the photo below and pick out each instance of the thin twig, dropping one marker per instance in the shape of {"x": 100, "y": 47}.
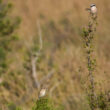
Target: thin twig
{"x": 48, "y": 76}
{"x": 54, "y": 87}
{"x": 34, "y": 58}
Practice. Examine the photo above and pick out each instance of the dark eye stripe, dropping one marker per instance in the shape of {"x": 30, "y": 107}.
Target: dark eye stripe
{"x": 92, "y": 5}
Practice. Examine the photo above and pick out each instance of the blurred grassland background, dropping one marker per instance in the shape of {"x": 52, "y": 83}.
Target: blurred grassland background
{"x": 61, "y": 23}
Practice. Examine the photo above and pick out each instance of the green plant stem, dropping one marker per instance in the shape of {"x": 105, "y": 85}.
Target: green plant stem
{"x": 88, "y": 37}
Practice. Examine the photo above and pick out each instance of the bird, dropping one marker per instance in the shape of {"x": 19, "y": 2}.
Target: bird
{"x": 42, "y": 92}
{"x": 92, "y": 9}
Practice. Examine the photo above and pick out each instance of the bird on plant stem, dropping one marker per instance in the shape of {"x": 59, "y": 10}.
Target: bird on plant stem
{"x": 92, "y": 9}
{"x": 42, "y": 92}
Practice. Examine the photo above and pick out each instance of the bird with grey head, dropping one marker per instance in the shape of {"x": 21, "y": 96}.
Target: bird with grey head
{"x": 92, "y": 9}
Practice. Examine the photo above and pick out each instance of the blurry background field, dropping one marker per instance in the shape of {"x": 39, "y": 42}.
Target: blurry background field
{"x": 61, "y": 23}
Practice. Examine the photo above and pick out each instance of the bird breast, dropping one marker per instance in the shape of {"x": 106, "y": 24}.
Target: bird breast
{"x": 94, "y": 10}
{"x": 42, "y": 93}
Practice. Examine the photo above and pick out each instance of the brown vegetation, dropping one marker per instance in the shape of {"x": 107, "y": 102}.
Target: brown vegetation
{"x": 61, "y": 24}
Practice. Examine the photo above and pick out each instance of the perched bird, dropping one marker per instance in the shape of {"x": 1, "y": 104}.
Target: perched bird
{"x": 42, "y": 92}
{"x": 92, "y": 9}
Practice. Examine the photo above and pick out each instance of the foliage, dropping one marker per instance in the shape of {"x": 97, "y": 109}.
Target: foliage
{"x": 103, "y": 100}
{"x": 88, "y": 38}
{"x": 43, "y": 104}
{"x": 8, "y": 25}
{"x": 12, "y": 106}
{"x": 96, "y": 101}
{"x": 65, "y": 61}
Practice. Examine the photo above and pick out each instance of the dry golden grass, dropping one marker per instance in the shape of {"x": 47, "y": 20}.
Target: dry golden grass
{"x": 68, "y": 59}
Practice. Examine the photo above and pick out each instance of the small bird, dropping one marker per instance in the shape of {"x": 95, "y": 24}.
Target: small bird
{"x": 92, "y": 9}
{"x": 42, "y": 92}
